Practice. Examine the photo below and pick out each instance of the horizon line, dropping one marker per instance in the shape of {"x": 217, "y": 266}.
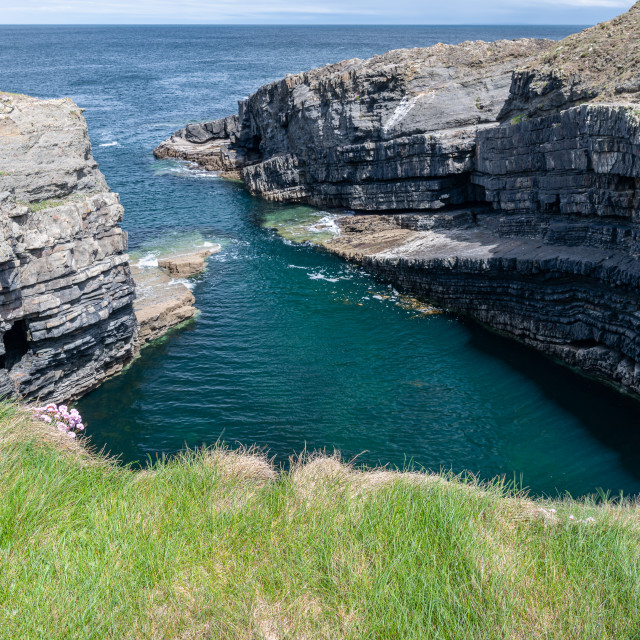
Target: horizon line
{"x": 293, "y": 24}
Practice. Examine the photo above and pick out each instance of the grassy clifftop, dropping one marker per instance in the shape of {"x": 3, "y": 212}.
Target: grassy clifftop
{"x": 599, "y": 65}
{"x": 217, "y": 544}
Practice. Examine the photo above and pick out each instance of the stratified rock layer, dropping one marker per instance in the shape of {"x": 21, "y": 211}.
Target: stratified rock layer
{"x": 518, "y": 207}
{"x": 66, "y": 313}
{"x": 393, "y": 132}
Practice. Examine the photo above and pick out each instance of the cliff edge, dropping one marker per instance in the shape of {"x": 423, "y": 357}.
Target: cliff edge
{"x": 66, "y": 314}
{"x": 500, "y": 180}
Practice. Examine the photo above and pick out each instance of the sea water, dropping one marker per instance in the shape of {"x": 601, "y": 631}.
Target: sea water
{"x": 294, "y": 349}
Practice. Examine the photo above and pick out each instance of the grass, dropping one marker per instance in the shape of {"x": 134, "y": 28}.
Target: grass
{"x": 44, "y": 204}
{"x": 216, "y": 544}
{"x": 519, "y": 118}
{"x": 55, "y": 202}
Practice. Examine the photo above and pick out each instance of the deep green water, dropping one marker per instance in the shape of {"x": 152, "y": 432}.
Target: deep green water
{"x": 294, "y": 348}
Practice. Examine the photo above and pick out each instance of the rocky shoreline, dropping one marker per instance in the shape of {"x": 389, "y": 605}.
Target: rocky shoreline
{"x": 72, "y": 311}
{"x": 162, "y": 301}
{"x": 499, "y": 180}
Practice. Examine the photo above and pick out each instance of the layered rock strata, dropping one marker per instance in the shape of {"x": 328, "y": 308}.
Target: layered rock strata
{"x": 516, "y": 206}
{"x": 66, "y": 296}
{"x": 393, "y": 132}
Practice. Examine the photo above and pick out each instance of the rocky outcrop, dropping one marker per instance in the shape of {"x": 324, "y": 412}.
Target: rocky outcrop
{"x": 162, "y": 300}
{"x": 185, "y": 265}
{"x": 208, "y": 145}
{"x": 161, "y": 303}
{"x": 393, "y": 132}
{"x": 600, "y": 64}
{"x": 66, "y": 297}
{"x": 519, "y": 209}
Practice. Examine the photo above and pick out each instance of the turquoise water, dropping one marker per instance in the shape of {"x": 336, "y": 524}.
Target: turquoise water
{"x": 294, "y": 348}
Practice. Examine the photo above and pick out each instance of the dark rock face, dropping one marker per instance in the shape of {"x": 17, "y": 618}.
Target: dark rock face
{"x": 508, "y": 194}
{"x": 393, "y": 132}
{"x": 66, "y": 315}
{"x": 584, "y": 161}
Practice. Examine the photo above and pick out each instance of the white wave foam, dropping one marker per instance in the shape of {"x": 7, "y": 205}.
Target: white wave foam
{"x": 326, "y": 224}
{"x": 186, "y": 283}
{"x": 150, "y": 260}
{"x": 192, "y": 169}
{"x": 321, "y": 276}
{"x": 108, "y": 144}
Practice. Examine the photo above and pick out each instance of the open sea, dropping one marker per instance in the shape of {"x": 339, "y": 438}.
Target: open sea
{"x": 293, "y": 348}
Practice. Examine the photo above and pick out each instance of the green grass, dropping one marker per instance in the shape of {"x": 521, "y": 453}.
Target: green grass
{"x": 44, "y": 204}
{"x": 56, "y": 202}
{"x": 519, "y": 118}
{"x": 215, "y": 544}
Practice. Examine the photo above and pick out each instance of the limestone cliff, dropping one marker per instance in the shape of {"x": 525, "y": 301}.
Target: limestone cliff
{"x": 505, "y": 180}
{"x": 393, "y": 132}
{"x": 66, "y": 315}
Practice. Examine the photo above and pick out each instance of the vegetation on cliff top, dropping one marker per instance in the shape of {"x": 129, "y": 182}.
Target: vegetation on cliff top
{"x": 216, "y": 544}
{"x": 604, "y": 58}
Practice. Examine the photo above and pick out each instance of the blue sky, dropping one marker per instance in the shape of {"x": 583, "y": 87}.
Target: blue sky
{"x": 310, "y": 11}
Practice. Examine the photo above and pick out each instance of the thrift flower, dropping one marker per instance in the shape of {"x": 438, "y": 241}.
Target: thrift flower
{"x": 69, "y": 422}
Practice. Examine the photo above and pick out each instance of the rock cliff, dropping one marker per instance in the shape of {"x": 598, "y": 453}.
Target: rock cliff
{"x": 504, "y": 178}
{"x": 393, "y": 132}
{"x": 66, "y": 315}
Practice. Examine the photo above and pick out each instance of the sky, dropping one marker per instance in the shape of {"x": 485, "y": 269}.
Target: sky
{"x": 416, "y": 12}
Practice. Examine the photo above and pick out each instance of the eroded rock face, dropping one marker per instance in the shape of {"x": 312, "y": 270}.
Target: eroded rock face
{"x": 519, "y": 207}
{"x": 66, "y": 297}
{"x": 393, "y": 132}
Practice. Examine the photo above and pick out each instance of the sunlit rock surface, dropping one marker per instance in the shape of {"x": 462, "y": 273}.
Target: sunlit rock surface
{"x": 66, "y": 297}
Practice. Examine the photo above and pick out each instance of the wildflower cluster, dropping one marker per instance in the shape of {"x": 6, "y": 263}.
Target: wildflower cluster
{"x": 69, "y": 422}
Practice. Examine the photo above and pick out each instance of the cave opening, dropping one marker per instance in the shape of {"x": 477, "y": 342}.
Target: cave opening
{"x": 256, "y": 141}
{"x": 15, "y": 343}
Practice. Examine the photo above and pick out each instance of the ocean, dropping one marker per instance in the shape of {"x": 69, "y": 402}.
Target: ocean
{"x": 294, "y": 350}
